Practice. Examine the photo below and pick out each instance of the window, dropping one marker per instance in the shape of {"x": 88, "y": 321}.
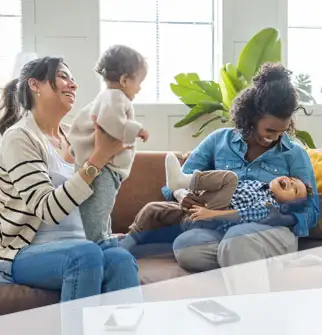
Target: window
{"x": 174, "y": 35}
{"x": 304, "y": 41}
{"x": 10, "y": 37}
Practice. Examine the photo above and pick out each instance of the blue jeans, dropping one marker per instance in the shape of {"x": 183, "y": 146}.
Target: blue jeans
{"x": 79, "y": 268}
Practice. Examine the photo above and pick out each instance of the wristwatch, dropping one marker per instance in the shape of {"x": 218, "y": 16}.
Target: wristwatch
{"x": 91, "y": 170}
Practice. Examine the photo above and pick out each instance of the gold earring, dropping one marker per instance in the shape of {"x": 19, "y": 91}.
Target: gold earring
{"x": 38, "y": 94}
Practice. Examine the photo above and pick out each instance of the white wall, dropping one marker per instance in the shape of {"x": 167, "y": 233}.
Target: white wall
{"x": 66, "y": 28}
{"x": 71, "y": 28}
{"x": 243, "y": 18}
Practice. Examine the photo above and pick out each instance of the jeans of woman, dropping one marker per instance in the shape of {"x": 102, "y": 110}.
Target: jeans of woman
{"x": 79, "y": 268}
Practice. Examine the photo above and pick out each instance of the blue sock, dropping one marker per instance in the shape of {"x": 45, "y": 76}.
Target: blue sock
{"x": 128, "y": 242}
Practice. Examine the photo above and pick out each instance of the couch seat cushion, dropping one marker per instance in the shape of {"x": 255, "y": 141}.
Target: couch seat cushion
{"x": 16, "y": 298}
{"x": 158, "y": 268}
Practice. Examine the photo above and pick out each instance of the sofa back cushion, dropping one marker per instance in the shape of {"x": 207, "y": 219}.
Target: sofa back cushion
{"x": 143, "y": 185}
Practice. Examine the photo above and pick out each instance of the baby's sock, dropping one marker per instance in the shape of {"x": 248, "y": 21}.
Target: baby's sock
{"x": 175, "y": 178}
{"x": 127, "y": 242}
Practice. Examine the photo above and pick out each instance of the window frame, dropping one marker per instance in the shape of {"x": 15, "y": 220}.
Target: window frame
{"x": 316, "y": 108}
{"x": 21, "y": 19}
{"x": 214, "y": 23}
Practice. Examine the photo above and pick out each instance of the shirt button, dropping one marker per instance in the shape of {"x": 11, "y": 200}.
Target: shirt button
{"x": 275, "y": 170}
{"x": 227, "y": 166}
{"x": 249, "y": 169}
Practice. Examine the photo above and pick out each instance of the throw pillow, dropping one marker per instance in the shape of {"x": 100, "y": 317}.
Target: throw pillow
{"x": 316, "y": 160}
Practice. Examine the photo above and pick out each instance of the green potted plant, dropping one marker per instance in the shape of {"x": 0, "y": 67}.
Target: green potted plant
{"x": 215, "y": 98}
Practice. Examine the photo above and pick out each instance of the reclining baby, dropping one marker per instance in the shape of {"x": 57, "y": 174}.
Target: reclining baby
{"x": 227, "y": 200}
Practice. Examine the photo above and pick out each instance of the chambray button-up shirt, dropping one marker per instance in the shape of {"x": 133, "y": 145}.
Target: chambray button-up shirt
{"x": 225, "y": 149}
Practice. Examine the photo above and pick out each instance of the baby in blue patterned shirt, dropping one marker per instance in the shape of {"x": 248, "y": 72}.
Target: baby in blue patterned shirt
{"x": 246, "y": 200}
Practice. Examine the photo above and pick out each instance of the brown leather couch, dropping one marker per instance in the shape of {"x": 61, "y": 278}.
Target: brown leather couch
{"x": 144, "y": 185}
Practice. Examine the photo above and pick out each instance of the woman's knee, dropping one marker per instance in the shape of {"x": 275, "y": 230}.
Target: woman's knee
{"x": 119, "y": 258}
{"x": 85, "y": 255}
{"x": 195, "y": 250}
{"x": 197, "y": 258}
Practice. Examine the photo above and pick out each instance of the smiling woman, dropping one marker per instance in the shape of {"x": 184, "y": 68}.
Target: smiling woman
{"x": 257, "y": 148}
{"x": 42, "y": 241}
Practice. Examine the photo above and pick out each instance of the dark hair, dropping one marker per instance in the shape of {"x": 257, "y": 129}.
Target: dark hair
{"x": 17, "y": 94}
{"x": 271, "y": 93}
{"x": 119, "y": 60}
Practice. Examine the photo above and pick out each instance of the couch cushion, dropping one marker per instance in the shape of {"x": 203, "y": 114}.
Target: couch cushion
{"x": 309, "y": 243}
{"x": 158, "y": 268}
{"x": 143, "y": 185}
{"x": 16, "y": 298}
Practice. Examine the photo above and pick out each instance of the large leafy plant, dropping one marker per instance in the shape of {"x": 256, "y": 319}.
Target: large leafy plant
{"x": 303, "y": 85}
{"x": 215, "y": 98}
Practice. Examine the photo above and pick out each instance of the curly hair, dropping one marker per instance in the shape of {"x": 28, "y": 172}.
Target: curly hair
{"x": 271, "y": 93}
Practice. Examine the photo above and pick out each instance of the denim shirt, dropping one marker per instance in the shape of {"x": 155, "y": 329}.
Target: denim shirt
{"x": 225, "y": 149}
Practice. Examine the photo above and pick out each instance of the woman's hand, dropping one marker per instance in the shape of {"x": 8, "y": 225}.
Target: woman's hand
{"x": 106, "y": 146}
{"x": 201, "y": 213}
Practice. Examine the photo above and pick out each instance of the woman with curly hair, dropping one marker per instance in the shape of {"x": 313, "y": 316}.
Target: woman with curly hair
{"x": 256, "y": 148}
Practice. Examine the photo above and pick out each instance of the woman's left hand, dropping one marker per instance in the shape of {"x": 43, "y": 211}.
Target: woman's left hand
{"x": 106, "y": 146}
{"x": 202, "y": 213}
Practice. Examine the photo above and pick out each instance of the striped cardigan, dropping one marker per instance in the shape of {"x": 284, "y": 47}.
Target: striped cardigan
{"x": 27, "y": 196}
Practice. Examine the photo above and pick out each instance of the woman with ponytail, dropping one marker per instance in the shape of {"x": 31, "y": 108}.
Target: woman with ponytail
{"x": 42, "y": 241}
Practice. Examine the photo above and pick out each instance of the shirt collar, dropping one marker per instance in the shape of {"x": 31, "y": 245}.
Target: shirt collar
{"x": 284, "y": 140}
{"x": 237, "y": 136}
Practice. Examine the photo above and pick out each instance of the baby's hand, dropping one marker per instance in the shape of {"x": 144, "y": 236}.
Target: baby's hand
{"x": 143, "y": 134}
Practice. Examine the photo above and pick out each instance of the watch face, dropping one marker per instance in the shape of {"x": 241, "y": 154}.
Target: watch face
{"x": 92, "y": 171}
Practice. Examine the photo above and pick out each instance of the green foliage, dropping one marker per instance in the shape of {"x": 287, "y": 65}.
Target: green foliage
{"x": 303, "y": 85}
{"x": 215, "y": 99}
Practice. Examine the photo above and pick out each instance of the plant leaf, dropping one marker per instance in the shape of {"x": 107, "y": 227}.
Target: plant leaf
{"x": 211, "y": 88}
{"x": 223, "y": 111}
{"x": 197, "y": 111}
{"x": 204, "y": 126}
{"x": 186, "y": 78}
{"x": 190, "y": 93}
{"x": 305, "y": 138}
{"x": 228, "y": 90}
{"x": 237, "y": 79}
{"x": 304, "y": 96}
{"x": 265, "y": 46}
